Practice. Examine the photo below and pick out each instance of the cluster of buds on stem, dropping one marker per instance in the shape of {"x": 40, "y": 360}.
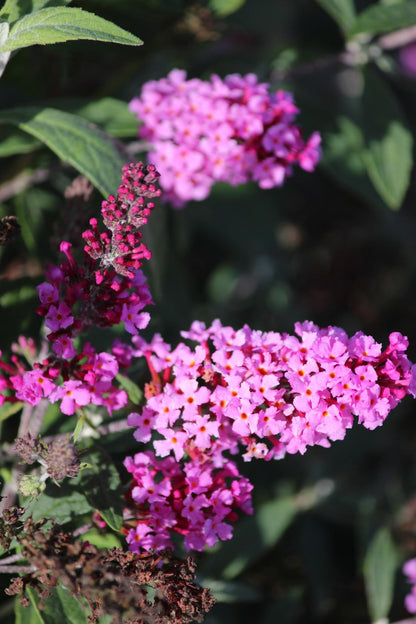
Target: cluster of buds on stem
{"x": 105, "y": 289}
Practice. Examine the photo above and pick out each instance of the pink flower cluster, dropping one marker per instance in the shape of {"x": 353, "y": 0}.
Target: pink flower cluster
{"x": 107, "y": 288}
{"x": 262, "y": 394}
{"x": 409, "y": 569}
{"x": 229, "y": 130}
{"x": 87, "y": 378}
{"x": 197, "y": 499}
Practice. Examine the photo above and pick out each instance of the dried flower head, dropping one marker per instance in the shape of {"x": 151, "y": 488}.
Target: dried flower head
{"x": 59, "y": 456}
{"x": 112, "y": 581}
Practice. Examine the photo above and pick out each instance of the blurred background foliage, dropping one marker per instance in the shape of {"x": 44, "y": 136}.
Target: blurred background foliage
{"x": 337, "y": 247}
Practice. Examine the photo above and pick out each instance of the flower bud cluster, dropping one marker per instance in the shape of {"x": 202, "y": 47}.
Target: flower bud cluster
{"x": 123, "y": 216}
{"x": 108, "y": 288}
{"x": 229, "y": 130}
{"x": 259, "y": 394}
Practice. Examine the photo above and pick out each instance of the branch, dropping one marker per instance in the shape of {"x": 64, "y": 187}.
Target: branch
{"x": 16, "y": 569}
{"x": 11, "y": 559}
{"x": 23, "y": 181}
{"x": 398, "y": 38}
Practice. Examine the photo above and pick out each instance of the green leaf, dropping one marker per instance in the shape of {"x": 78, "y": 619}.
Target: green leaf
{"x": 110, "y": 114}
{"x": 102, "y": 540}
{"x": 58, "y": 24}
{"x": 343, "y": 158}
{"x": 135, "y": 394}
{"x": 225, "y": 7}
{"x": 9, "y": 409}
{"x": 380, "y": 564}
{"x": 12, "y": 10}
{"x": 78, "y": 428}
{"x": 60, "y": 503}
{"x": 102, "y": 487}
{"x": 33, "y": 603}
{"x": 26, "y": 615}
{"x": 4, "y": 56}
{"x": 342, "y": 11}
{"x": 389, "y": 145}
{"x": 51, "y": 419}
{"x": 31, "y": 207}
{"x": 229, "y": 592}
{"x": 60, "y": 606}
{"x": 87, "y": 148}
{"x": 380, "y": 18}
{"x": 14, "y": 141}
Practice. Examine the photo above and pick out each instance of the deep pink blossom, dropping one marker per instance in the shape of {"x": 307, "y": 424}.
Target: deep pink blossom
{"x": 260, "y": 395}
{"x": 73, "y": 394}
{"x": 409, "y": 569}
{"x": 229, "y": 130}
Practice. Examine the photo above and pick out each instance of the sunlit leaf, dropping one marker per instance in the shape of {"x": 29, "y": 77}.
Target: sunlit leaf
{"x": 84, "y": 146}
{"x": 102, "y": 540}
{"x": 78, "y": 428}
{"x": 59, "y": 24}
{"x": 60, "y": 606}
{"x": 37, "y": 617}
{"x": 25, "y": 615}
{"x": 12, "y": 10}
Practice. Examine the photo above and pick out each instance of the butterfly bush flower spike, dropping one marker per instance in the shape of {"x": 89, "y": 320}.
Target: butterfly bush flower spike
{"x": 231, "y": 130}
{"x": 105, "y": 289}
{"x": 256, "y": 394}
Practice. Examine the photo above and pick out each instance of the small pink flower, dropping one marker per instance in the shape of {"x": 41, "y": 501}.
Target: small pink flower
{"x": 174, "y": 441}
{"x": 59, "y": 317}
{"x": 64, "y": 347}
{"x": 73, "y": 395}
{"x": 48, "y": 293}
{"x": 32, "y": 386}
{"x": 133, "y": 319}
